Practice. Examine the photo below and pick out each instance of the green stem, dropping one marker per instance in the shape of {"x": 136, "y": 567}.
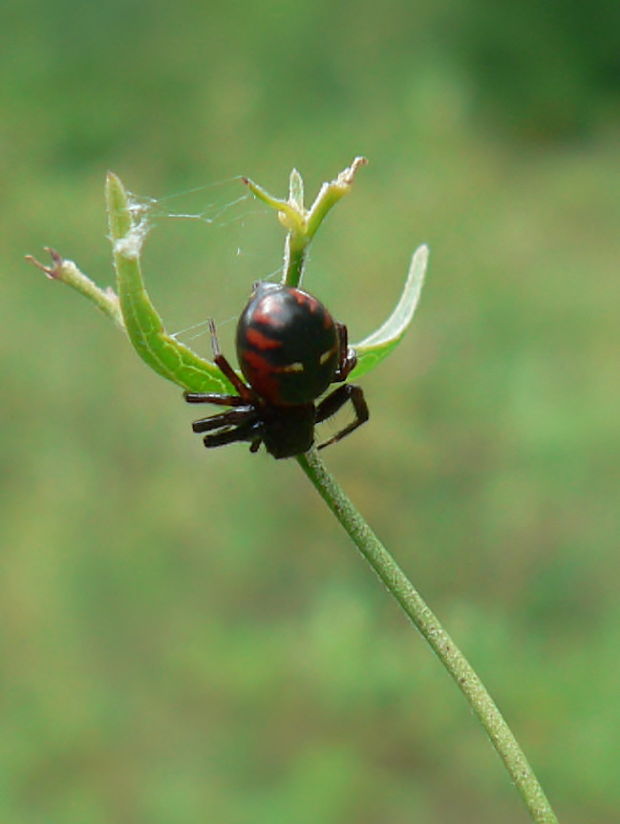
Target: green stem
{"x": 442, "y": 644}
{"x": 295, "y": 250}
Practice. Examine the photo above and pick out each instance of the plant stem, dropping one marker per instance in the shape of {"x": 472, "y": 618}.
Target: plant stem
{"x": 442, "y": 644}
{"x": 295, "y": 250}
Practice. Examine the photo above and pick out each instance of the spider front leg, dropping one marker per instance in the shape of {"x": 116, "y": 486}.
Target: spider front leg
{"x": 249, "y": 431}
{"x": 210, "y": 397}
{"x": 245, "y": 395}
{"x": 234, "y": 417}
{"x": 226, "y": 369}
{"x": 347, "y": 357}
{"x": 337, "y": 399}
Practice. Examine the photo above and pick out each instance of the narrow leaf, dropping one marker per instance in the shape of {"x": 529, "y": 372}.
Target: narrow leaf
{"x": 373, "y": 349}
{"x": 296, "y": 190}
{"x": 290, "y": 217}
{"x": 164, "y": 354}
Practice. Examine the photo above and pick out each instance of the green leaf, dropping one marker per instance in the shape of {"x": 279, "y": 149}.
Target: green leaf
{"x": 377, "y": 346}
{"x": 296, "y": 190}
{"x": 164, "y": 354}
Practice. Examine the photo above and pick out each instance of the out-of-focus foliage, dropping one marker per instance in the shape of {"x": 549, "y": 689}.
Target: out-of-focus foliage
{"x": 540, "y": 70}
{"x": 185, "y": 635}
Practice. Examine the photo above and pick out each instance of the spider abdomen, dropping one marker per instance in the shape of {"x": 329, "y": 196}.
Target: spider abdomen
{"x": 288, "y": 345}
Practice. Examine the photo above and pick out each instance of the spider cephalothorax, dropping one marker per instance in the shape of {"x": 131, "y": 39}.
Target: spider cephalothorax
{"x": 290, "y": 350}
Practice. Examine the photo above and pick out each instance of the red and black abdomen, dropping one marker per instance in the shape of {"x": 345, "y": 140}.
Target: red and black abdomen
{"x": 287, "y": 344}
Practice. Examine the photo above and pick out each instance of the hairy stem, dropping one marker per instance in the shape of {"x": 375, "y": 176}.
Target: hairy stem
{"x": 442, "y": 644}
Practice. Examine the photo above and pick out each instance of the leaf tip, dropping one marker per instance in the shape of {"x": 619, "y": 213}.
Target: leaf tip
{"x": 52, "y": 272}
{"x": 112, "y": 179}
{"x": 419, "y": 261}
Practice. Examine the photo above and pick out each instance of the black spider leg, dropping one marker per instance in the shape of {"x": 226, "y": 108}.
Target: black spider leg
{"x": 347, "y": 357}
{"x": 334, "y": 401}
{"x": 234, "y": 417}
{"x": 244, "y": 391}
{"x": 249, "y": 431}
{"x": 220, "y": 400}
{"x": 245, "y": 396}
{"x": 236, "y": 424}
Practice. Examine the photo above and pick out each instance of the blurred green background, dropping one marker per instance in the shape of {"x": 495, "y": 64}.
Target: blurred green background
{"x": 187, "y": 636}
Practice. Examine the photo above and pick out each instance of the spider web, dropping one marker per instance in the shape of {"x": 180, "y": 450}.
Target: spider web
{"x": 220, "y": 229}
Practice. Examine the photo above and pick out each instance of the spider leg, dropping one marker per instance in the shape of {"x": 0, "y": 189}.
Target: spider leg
{"x": 209, "y": 397}
{"x": 334, "y": 401}
{"x": 234, "y": 417}
{"x": 244, "y": 391}
{"x": 347, "y": 357}
{"x": 244, "y": 432}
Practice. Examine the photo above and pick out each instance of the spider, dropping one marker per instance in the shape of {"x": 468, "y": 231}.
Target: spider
{"x": 290, "y": 349}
